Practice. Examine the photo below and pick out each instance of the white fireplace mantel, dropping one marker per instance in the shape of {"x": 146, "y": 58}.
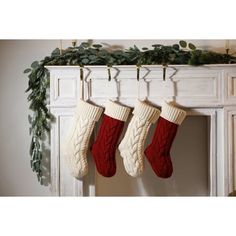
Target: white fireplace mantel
{"x": 208, "y": 90}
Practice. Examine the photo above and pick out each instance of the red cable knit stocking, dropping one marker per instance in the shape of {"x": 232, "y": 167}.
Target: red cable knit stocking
{"x": 104, "y": 148}
{"x": 158, "y": 152}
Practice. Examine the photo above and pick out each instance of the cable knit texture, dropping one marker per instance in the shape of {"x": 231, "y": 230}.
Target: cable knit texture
{"x": 104, "y": 148}
{"x": 76, "y": 145}
{"x": 172, "y": 113}
{"x": 158, "y": 152}
{"x": 132, "y": 146}
{"x": 116, "y": 111}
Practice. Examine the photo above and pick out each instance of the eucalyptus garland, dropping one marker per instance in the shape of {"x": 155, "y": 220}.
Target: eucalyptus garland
{"x": 96, "y": 54}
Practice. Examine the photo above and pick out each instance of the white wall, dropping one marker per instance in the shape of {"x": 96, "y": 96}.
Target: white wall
{"x": 16, "y": 177}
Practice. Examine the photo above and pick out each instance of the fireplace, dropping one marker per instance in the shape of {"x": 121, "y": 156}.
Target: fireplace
{"x": 203, "y": 152}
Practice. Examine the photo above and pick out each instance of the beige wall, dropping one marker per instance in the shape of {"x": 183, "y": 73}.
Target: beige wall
{"x": 16, "y": 177}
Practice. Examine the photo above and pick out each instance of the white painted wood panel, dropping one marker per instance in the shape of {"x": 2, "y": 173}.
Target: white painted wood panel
{"x": 230, "y": 88}
{"x": 230, "y": 147}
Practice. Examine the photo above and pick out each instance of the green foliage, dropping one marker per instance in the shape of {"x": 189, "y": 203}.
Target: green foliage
{"x": 86, "y": 54}
{"x": 183, "y": 44}
{"x": 191, "y": 46}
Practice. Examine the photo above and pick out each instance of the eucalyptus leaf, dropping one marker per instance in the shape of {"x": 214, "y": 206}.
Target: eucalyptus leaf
{"x": 136, "y": 48}
{"x": 27, "y": 70}
{"x": 80, "y": 50}
{"x": 176, "y": 46}
{"x": 29, "y": 119}
{"x": 191, "y": 46}
{"x": 156, "y": 45}
{"x": 35, "y": 64}
{"x": 55, "y": 52}
{"x": 85, "y": 44}
{"x": 92, "y": 57}
{"x": 183, "y": 43}
{"x": 85, "y": 61}
{"x": 97, "y": 45}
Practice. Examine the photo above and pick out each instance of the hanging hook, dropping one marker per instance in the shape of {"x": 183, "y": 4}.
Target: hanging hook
{"x": 109, "y": 72}
{"x": 82, "y": 82}
{"x": 138, "y": 72}
{"x": 164, "y": 66}
{"x": 138, "y": 80}
{"x": 81, "y": 73}
{"x": 113, "y": 84}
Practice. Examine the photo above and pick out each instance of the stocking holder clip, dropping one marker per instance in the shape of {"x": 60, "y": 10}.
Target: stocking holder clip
{"x": 138, "y": 72}
{"x": 164, "y": 67}
{"x": 109, "y": 72}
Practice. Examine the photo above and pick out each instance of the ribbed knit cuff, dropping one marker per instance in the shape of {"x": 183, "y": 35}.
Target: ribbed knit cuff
{"x": 173, "y": 114}
{"x": 146, "y": 111}
{"x": 88, "y": 110}
{"x": 116, "y": 111}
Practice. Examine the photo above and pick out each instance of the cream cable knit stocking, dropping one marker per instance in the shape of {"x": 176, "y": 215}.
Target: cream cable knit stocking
{"x": 132, "y": 146}
{"x": 77, "y": 142}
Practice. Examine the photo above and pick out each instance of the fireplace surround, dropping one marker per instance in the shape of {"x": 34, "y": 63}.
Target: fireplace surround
{"x": 208, "y": 91}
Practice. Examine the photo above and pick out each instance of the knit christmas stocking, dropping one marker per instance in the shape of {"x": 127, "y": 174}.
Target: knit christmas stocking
{"x": 104, "y": 148}
{"x": 158, "y": 152}
{"x": 132, "y": 146}
{"x": 76, "y": 147}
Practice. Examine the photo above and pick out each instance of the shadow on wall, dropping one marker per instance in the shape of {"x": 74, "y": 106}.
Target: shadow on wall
{"x": 190, "y": 162}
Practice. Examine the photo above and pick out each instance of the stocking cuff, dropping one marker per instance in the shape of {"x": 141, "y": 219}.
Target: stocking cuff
{"x": 146, "y": 111}
{"x": 117, "y": 111}
{"x": 173, "y": 114}
{"x": 88, "y": 110}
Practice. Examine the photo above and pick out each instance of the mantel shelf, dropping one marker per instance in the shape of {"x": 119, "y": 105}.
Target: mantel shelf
{"x": 134, "y": 66}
